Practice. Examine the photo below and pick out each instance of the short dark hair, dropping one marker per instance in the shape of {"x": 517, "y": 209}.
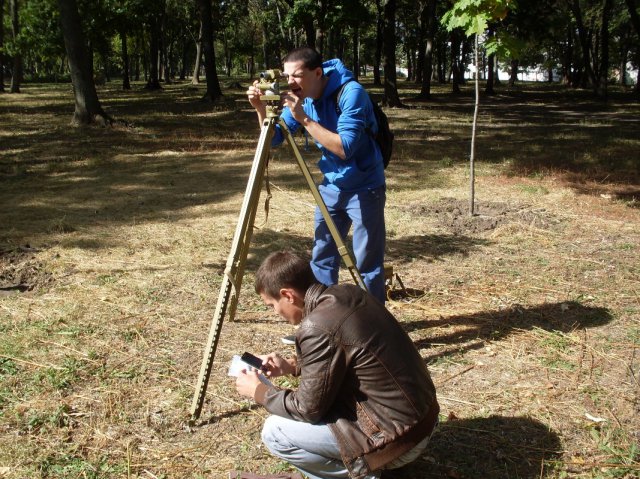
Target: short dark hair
{"x": 309, "y": 57}
{"x": 283, "y": 269}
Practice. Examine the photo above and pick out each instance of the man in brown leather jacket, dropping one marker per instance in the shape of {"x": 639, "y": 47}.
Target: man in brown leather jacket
{"x": 365, "y": 401}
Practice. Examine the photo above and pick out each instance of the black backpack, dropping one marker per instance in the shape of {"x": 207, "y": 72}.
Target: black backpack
{"x": 385, "y": 136}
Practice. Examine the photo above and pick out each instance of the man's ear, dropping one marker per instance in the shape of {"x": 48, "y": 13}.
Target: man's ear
{"x": 288, "y": 294}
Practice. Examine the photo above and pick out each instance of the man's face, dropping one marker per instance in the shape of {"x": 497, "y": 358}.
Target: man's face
{"x": 288, "y": 306}
{"x": 303, "y": 83}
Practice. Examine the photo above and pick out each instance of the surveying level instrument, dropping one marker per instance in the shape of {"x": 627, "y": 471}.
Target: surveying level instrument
{"x": 269, "y": 83}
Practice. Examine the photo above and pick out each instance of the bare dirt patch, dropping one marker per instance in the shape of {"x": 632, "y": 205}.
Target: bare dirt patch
{"x": 21, "y": 270}
{"x": 453, "y": 215}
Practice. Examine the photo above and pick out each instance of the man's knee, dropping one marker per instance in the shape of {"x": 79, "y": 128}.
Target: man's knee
{"x": 272, "y": 436}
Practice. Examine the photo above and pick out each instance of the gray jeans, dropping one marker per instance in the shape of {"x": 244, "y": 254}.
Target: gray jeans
{"x": 313, "y": 449}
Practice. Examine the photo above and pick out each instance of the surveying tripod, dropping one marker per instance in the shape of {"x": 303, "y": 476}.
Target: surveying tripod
{"x": 234, "y": 271}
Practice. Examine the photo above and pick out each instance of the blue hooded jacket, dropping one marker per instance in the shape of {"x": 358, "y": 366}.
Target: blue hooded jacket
{"x": 362, "y": 168}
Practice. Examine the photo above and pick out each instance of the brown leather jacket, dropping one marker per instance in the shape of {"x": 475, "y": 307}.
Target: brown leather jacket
{"x": 360, "y": 374}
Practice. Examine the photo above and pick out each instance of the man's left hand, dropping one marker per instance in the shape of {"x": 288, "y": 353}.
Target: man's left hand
{"x": 294, "y": 103}
{"x": 247, "y": 383}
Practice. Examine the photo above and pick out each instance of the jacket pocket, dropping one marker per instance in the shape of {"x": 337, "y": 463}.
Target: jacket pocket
{"x": 368, "y": 422}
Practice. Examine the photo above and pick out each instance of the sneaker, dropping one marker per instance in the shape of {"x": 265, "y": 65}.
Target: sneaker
{"x": 291, "y": 339}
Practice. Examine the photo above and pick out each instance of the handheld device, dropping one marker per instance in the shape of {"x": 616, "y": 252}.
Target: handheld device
{"x": 252, "y": 360}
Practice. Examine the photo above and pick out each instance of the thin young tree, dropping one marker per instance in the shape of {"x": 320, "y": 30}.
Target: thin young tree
{"x": 87, "y": 105}
{"x": 473, "y": 16}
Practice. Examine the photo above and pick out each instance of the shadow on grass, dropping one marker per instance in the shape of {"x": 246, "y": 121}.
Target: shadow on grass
{"x": 494, "y": 447}
{"x": 530, "y": 131}
{"x": 431, "y": 247}
{"x": 470, "y": 332}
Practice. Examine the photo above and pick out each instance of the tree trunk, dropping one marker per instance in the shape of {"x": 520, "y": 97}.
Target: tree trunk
{"x": 456, "y": 41}
{"x": 603, "y": 70}
{"x": 195, "y": 79}
{"x": 185, "y": 58}
{"x": 391, "y": 97}
{"x": 310, "y": 32}
{"x": 442, "y": 60}
{"x": 624, "y": 56}
{"x": 1, "y": 46}
{"x": 320, "y": 31}
{"x": 87, "y": 105}
{"x": 421, "y": 46}
{"x": 472, "y": 156}
{"x": 153, "y": 83}
{"x": 428, "y": 24}
{"x": 584, "y": 41}
{"x": 633, "y": 14}
{"x": 488, "y": 89}
{"x": 213, "y": 92}
{"x": 126, "y": 84}
{"x": 567, "y": 59}
{"x": 513, "y": 72}
{"x": 16, "y": 72}
{"x": 379, "y": 40}
{"x": 356, "y": 50}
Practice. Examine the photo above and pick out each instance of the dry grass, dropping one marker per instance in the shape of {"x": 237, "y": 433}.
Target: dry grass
{"x": 113, "y": 242}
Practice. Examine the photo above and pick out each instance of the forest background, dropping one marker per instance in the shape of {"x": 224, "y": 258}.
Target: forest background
{"x": 584, "y": 43}
{"x": 114, "y": 234}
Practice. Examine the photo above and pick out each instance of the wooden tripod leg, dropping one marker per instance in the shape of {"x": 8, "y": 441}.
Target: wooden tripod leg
{"x": 335, "y": 234}
{"x": 234, "y": 271}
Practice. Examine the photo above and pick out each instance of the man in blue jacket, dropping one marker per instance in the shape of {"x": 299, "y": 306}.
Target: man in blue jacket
{"x": 353, "y": 186}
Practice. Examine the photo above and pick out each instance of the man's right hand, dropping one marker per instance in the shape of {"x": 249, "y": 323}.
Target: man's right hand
{"x": 276, "y": 365}
{"x": 253, "y": 94}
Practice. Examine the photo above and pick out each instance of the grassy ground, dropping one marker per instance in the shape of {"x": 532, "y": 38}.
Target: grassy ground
{"x": 113, "y": 242}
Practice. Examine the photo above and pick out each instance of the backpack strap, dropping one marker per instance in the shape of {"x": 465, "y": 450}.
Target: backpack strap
{"x": 338, "y": 94}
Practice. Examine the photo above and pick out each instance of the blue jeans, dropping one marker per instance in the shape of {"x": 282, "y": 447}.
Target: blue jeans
{"x": 365, "y": 211}
{"x": 311, "y": 448}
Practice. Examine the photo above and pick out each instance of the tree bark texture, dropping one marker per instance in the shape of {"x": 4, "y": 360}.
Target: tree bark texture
{"x": 356, "y": 50}
{"x": 584, "y": 42}
{"x": 1, "y": 46}
{"x": 428, "y": 24}
{"x": 213, "y": 85}
{"x": 488, "y": 89}
{"x": 16, "y": 72}
{"x": 126, "y": 83}
{"x": 633, "y": 14}
{"x": 320, "y": 30}
{"x": 153, "y": 82}
{"x": 195, "y": 79}
{"x": 87, "y": 105}
{"x": 456, "y": 42}
{"x": 379, "y": 40}
{"x": 603, "y": 69}
{"x": 391, "y": 97}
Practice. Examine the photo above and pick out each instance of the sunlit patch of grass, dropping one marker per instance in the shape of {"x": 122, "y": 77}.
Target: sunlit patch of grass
{"x": 534, "y": 189}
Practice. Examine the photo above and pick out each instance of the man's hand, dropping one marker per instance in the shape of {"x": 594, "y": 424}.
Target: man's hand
{"x": 247, "y": 383}
{"x": 275, "y": 365}
{"x": 253, "y": 94}
{"x": 294, "y": 103}
{"x": 331, "y": 141}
